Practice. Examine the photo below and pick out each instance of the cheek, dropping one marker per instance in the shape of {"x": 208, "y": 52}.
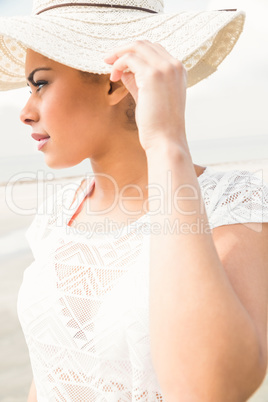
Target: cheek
{"x": 58, "y": 113}
{"x": 87, "y": 116}
{"x": 69, "y": 112}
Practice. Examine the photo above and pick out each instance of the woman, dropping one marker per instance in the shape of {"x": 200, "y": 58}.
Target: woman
{"x": 168, "y": 307}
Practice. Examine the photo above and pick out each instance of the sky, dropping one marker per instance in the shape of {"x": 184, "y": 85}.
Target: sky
{"x": 232, "y": 103}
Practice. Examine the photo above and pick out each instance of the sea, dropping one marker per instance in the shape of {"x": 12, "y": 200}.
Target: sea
{"x": 31, "y": 167}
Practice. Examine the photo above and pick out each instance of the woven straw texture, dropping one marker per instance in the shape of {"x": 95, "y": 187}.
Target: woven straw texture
{"x": 84, "y": 301}
{"x": 154, "y": 5}
{"x": 80, "y": 36}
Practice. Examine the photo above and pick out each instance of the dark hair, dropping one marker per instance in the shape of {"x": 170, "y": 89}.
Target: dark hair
{"x": 129, "y": 100}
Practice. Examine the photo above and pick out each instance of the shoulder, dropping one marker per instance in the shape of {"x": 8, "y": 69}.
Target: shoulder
{"x": 52, "y": 211}
{"x": 235, "y": 196}
{"x": 237, "y": 207}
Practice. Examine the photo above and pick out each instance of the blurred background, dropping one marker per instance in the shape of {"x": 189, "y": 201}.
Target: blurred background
{"x": 226, "y": 113}
{"x": 227, "y": 123}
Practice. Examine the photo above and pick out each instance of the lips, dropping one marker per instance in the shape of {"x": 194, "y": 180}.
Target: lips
{"x": 39, "y": 137}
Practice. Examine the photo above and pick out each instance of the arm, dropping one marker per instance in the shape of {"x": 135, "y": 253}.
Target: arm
{"x": 205, "y": 345}
{"x": 206, "y": 334}
{"x": 32, "y": 397}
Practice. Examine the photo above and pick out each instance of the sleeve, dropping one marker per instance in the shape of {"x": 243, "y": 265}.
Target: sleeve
{"x": 238, "y": 197}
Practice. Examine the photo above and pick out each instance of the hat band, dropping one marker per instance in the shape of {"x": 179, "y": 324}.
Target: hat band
{"x": 97, "y": 5}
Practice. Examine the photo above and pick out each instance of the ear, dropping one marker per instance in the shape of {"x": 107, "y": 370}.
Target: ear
{"x": 116, "y": 92}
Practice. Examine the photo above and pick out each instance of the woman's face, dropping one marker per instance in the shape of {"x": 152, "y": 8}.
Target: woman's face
{"x": 67, "y": 108}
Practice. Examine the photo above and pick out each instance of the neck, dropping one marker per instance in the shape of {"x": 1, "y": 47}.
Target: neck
{"x": 121, "y": 171}
{"x": 123, "y": 164}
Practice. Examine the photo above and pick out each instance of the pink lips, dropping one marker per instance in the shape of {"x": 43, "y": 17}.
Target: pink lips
{"x": 41, "y": 138}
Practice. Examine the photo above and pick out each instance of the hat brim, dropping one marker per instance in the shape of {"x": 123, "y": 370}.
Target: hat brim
{"x": 201, "y": 40}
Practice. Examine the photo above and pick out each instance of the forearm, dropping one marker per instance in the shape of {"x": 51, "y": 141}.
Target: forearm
{"x": 32, "y": 397}
{"x": 203, "y": 341}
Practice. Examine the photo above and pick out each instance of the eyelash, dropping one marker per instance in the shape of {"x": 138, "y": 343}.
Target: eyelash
{"x": 39, "y": 85}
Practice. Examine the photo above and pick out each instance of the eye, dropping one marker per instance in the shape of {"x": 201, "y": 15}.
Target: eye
{"x": 39, "y": 85}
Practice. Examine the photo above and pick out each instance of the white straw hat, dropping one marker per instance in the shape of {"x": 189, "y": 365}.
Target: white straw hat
{"x": 80, "y": 33}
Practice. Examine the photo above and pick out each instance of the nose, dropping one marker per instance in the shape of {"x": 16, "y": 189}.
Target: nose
{"x": 29, "y": 113}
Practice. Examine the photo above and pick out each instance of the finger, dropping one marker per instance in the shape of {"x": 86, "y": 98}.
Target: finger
{"x": 145, "y": 49}
{"x": 129, "y": 82}
{"x": 165, "y": 54}
{"x": 129, "y": 61}
{"x": 178, "y": 64}
{"x": 153, "y": 53}
{"x": 110, "y": 58}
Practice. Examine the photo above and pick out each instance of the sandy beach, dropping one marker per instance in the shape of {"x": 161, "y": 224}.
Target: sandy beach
{"x": 15, "y": 256}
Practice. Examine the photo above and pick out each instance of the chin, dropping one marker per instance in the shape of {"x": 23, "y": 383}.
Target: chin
{"x": 57, "y": 164}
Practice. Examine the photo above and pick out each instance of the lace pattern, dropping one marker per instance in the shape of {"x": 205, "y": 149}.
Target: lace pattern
{"x": 83, "y": 303}
{"x": 80, "y": 38}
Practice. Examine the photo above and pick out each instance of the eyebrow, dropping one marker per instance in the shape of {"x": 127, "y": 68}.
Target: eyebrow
{"x": 30, "y": 78}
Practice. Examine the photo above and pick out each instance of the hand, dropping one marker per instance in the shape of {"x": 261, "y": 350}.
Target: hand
{"x": 158, "y": 84}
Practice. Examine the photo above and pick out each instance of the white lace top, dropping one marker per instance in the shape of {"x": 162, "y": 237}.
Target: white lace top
{"x": 83, "y": 304}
